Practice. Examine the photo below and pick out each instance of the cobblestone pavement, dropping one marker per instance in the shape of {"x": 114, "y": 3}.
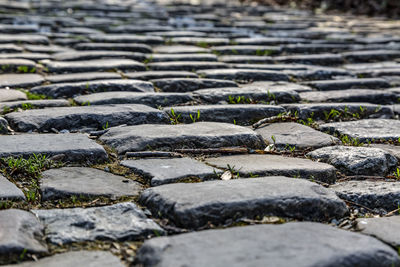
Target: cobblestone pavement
{"x": 198, "y": 133}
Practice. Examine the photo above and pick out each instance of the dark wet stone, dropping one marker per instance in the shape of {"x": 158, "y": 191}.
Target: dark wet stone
{"x": 20, "y": 80}
{"x": 9, "y": 191}
{"x": 139, "y": 28}
{"x": 246, "y": 50}
{"x": 76, "y": 258}
{"x": 119, "y": 222}
{"x": 3, "y": 126}
{"x": 126, "y": 38}
{"x": 24, "y": 39}
{"x": 73, "y": 118}
{"x": 239, "y": 113}
{"x": 141, "y": 48}
{"x": 186, "y": 65}
{"x": 270, "y": 165}
{"x": 194, "y": 205}
{"x": 17, "y": 65}
{"x": 322, "y": 111}
{"x": 165, "y": 171}
{"x": 384, "y": 229}
{"x": 196, "y": 135}
{"x": 318, "y": 73}
{"x": 371, "y": 194}
{"x": 289, "y": 135}
{"x": 351, "y": 95}
{"x": 181, "y": 49}
{"x": 357, "y": 160}
{"x": 71, "y": 89}
{"x": 11, "y": 95}
{"x": 80, "y": 77}
{"x": 370, "y": 83}
{"x": 149, "y": 99}
{"x": 20, "y": 231}
{"x": 88, "y": 182}
{"x": 370, "y": 55}
{"x": 93, "y": 65}
{"x": 367, "y": 129}
{"x": 243, "y": 74}
{"x": 317, "y": 59}
{"x": 190, "y": 84}
{"x": 181, "y": 57}
{"x": 289, "y": 244}
{"x": 152, "y": 75}
{"x": 33, "y": 104}
{"x": 73, "y": 147}
{"x": 90, "y": 55}
{"x": 315, "y": 48}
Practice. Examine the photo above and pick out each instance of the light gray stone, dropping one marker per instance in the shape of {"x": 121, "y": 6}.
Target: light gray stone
{"x": 24, "y": 38}
{"x": 259, "y": 50}
{"x": 165, "y": 171}
{"x": 364, "y": 130}
{"x": 72, "y": 89}
{"x": 369, "y": 83}
{"x": 371, "y": 194}
{"x": 300, "y": 244}
{"x": 20, "y": 80}
{"x": 11, "y": 95}
{"x": 244, "y": 75}
{"x": 126, "y": 38}
{"x": 149, "y": 99}
{"x": 15, "y": 64}
{"x": 33, "y": 104}
{"x": 351, "y": 95}
{"x": 73, "y": 118}
{"x": 88, "y": 182}
{"x": 189, "y": 84}
{"x": 357, "y": 160}
{"x": 290, "y": 134}
{"x": 195, "y": 135}
{"x": 391, "y": 149}
{"x": 93, "y": 65}
{"x": 312, "y": 59}
{"x": 75, "y": 258}
{"x": 98, "y": 54}
{"x": 239, "y": 113}
{"x": 182, "y": 57}
{"x": 152, "y": 75}
{"x": 82, "y": 77}
{"x": 181, "y": 49}
{"x": 20, "y": 230}
{"x": 186, "y": 65}
{"x": 73, "y": 147}
{"x": 270, "y": 165}
{"x": 384, "y": 229}
{"x": 8, "y": 190}
{"x": 119, "y": 222}
{"x": 194, "y": 205}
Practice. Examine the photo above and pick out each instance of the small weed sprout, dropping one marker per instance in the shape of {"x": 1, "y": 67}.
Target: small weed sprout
{"x": 174, "y": 117}
{"x": 196, "y": 117}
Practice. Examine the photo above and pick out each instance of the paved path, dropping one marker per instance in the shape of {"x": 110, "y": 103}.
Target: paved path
{"x": 198, "y": 133}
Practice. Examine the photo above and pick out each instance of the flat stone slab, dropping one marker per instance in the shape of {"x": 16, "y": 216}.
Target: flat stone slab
{"x": 73, "y": 118}
{"x": 182, "y": 57}
{"x": 370, "y": 83}
{"x": 322, "y": 111}
{"x": 24, "y": 39}
{"x": 153, "y": 75}
{"x": 79, "y": 181}
{"x": 126, "y": 38}
{"x": 186, "y": 65}
{"x": 20, "y": 230}
{"x": 17, "y": 64}
{"x": 82, "y": 77}
{"x": 76, "y": 258}
{"x": 93, "y": 65}
{"x": 259, "y": 50}
{"x": 71, "y": 89}
{"x": 20, "y": 80}
{"x": 149, "y": 99}
{"x": 119, "y": 222}
{"x": 244, "y": 74}
{"x": 364, "y": 130}
{"x": 351, "y": 95}
{"x": 371, "y": 194}
{"x": 33, "y": 104}
{"x": 193, "y": 205}
{"x": 370, "y": 55}
{"x": 392, "y": 149}
{"x": 259, "y": 92}
{"x": 195, "y": 135}
{"x": 239, "y": 113}
{"x": 289, "y": 244}
{"x": 181, "y": 49}
{"x": 189, "y": 84}
{"x": 11, "y": 95}
{"x": 384, "y": 229}
{"x": 73, "y": 147}
{"x": 90, "y": 55}
{"x": 357, "y": 160}
{"x": 271, "y": 165}
{"x": 141, "y": 48}
{"x": 165, "y": 171}
{"x": 312, "y": 59}
{"x": 289, "y": 134}
{"x": 9, "y": 191}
